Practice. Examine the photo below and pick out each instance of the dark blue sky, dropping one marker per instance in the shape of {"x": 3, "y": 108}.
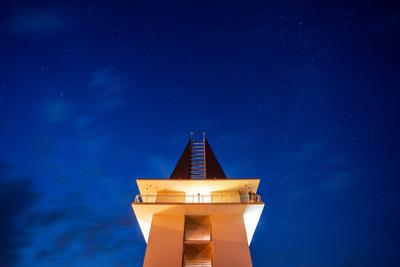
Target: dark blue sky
{"x": 302, "y": 94}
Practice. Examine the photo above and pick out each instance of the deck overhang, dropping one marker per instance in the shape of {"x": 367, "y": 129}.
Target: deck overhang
{"x": 144, "y": 211}
{"x": 150, "y": 186}
{"x": 251, "y": 213}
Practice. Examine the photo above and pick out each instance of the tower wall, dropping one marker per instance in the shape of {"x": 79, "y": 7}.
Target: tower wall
{"x": 165, "y": 245}
{"x": 230, "y": 247}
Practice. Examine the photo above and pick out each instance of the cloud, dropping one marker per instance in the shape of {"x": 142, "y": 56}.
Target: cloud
{"x": 16, "y": 197}
{"x": 44, "y": 254}
{"x": 83, "y": 120}
{"x": 52, "y": 216}
{"x": 38, "y": 21}
{"x": 57, "y": 110}
{"x": 105, "y": 91}
{"x": 87, "y": 236}
{"x": 78, "y": 232}
{"x": 316, "y": 166}
{"x": 108, "y": 88}
{"x": 339, "y": 181}
{"x": 4, "y": 166}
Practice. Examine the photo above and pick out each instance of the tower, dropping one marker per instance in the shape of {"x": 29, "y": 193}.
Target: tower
{"x": 198, "y": 217}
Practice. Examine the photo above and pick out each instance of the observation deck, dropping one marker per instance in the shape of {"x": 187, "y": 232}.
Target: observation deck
{"x": 198, "y": 197}
{"x": 221, "y": 198}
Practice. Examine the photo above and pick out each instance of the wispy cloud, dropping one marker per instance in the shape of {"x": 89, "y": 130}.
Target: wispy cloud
{"x": 339, "y": 181}
{"x": 105, "y": 91}
{"x": 57, "y": 110}
{"x": 38, "y": 21}
{"x": 89, "y": 234}
{"x": 84, "y": 120}
{"x": 314, "y": 166}
{"x": 16, "y": 198}
{"x": 108, "y": 88}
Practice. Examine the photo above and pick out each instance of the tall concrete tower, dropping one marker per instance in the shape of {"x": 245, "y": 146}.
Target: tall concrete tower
{"x": 198, "y": 217}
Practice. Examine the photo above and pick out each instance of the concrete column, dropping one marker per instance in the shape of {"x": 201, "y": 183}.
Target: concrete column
{"x": 165, "y": 245}
{"x": 230, "y": 248}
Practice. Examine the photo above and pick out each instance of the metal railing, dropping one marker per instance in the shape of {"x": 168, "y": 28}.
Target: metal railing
{"x": 197, "y": 264}
{"x": 193, "y": 199}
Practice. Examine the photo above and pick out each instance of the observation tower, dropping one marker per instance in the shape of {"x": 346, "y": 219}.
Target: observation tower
{"x": 198, "y": 217}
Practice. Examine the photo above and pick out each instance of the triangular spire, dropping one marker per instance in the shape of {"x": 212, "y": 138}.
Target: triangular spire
{"x": 181, "y": 170}
{"x": 198, "y": 162}
{"x": 214, "y": 169}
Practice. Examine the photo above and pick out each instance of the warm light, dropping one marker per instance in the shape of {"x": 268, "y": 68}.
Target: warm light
{"x": 197, "y": 194}
{"x": 145, "y": 227}
{"x": 194, "y": 190}
{"x": 251, "y": 217}
{"x": 178, "y": 196}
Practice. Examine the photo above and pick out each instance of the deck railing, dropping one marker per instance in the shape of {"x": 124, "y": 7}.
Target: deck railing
{"x": 198, "y": 198}
{"x": 197, "y": 263}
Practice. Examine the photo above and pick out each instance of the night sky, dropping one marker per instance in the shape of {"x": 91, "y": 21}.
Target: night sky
{"x": 303, "y": 95}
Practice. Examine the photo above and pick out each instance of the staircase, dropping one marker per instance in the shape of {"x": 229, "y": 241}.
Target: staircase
{"x": 197, "y": 169}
